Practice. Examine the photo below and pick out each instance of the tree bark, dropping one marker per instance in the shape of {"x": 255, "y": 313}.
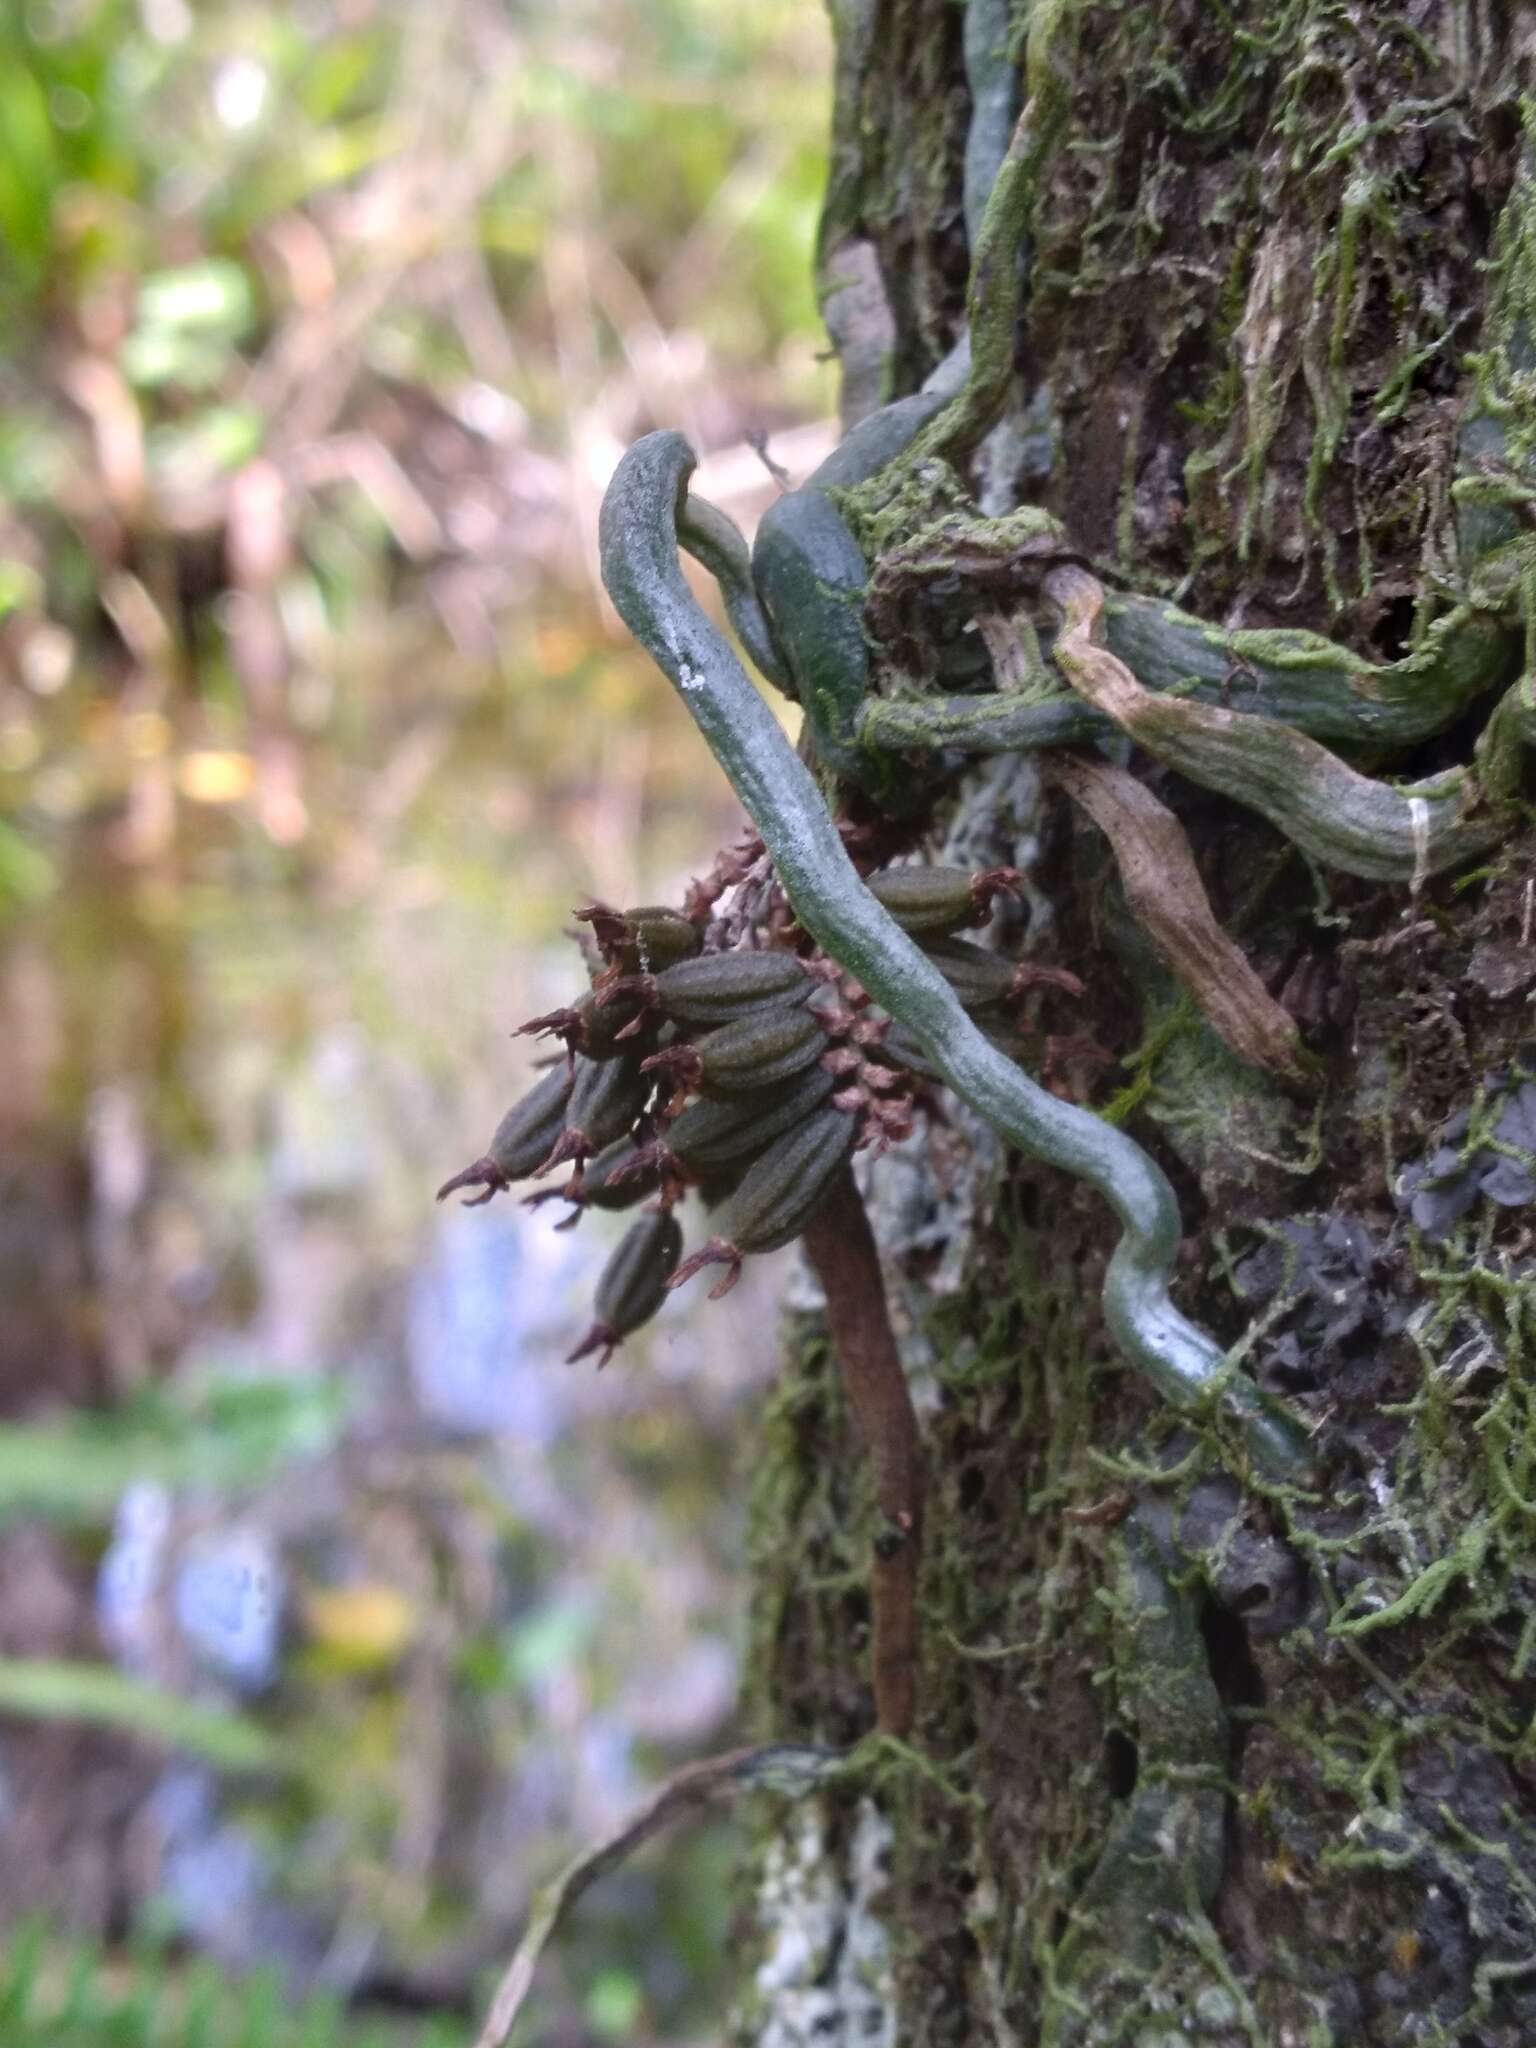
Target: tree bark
{"x": 1263, "y": 258}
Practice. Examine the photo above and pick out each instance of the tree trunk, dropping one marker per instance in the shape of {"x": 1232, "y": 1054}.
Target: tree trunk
{"x": 1266, "y": 272}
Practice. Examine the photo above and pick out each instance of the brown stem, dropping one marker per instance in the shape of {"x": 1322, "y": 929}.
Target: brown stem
{"x": 841, "y": 1248}
{"x": 780, "y": 1767}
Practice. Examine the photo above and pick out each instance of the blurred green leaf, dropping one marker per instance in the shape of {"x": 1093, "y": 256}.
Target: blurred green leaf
{"x": 614, "y": 2003}
{"x": 46, "y": 1689}
{"x": 209, "y": 445}
{"x": 33, "y": 460}
{"x": 29, "y": 172}
{"x": 154, "y": 357}
{"x": 227, "y": 1436}
{"x": 86, "y": 1994}
{"x": 20, "y": 585}
{"x": 27, "y": 875}
{"x": 547, "y": 1641}
{"x": 190, "y": 322}
{"x": 214, "y": 297}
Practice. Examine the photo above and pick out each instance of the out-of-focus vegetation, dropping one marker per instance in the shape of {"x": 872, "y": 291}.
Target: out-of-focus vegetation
{"x": 321, "y": 325}
{"x": 326, "y": 321}
{"x": 75, "y": 1998}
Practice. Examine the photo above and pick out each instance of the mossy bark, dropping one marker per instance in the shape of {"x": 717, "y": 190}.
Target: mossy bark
{"x": 1261, "y": 258}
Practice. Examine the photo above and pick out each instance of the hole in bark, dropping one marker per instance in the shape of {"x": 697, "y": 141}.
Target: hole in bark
{"x": 973, "y": 1484}
{"x": 1394, "y": 628}
{"x": 1121, "y": 1763}
{"x": 1233, "y": 1669}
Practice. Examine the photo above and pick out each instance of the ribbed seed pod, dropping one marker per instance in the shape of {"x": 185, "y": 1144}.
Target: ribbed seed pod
{"x": 778, "y": 1195}
{"x": 976, "y": 976}
{"x": 719, "y": 986}
{"x": 597, "y": 1029}
{"x": 932, "y": 900}
{"x": 783, "y": 1189}
{"x": 715, "y": 1134}
{"x": 634, "y": 1283}
{"x": 658, "y": 938}
{"x": 721, "y": 1182}
{"x": 757, "y": 1051}
{"x": 605, "y": 1100}
{"x": 522, "y": 1140}
{"x": 621, "y": 1175}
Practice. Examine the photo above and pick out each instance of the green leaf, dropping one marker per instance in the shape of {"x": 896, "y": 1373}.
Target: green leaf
{"x": 49, "y": 1689}
{"x": 29, "y": 172}
{"x": 213, "y": 297}
{"x": 222, "y": 1437}
{"x": 209, "y": 445}
{"x": 20, "y": 585}
{"x": 26, "y": 873}
{"x": 547, "y": 1641}
{"x": 613, "y": 2004}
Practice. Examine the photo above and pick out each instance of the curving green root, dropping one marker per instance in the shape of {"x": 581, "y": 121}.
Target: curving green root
{"x": 716, "y": 542}
{"x": 638, "y": 545}
{"x": 1289, "y": 677}
{"x": 1138, "y": 1940}
{"x": 1252, "y": 714}
{"x": 1383, "y": 831}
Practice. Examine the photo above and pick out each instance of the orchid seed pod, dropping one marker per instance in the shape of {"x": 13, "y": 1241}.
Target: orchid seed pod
{"x": 620, "y": 1176}
{"x": 596, "y": 1028}
{"x": 779, "y": 1194}
{"x": 522, "y": 1140}
{"x": 978, "y": 978}
{"x": 634, "y": 1283}
{"x": 606, "y": 1098}
{"x": 712, "y": 1134}
{"x": 721, "y": 1182}
{"x": 642, "y": 941}
{"x": 933, "y": 901}
{"x": 753, "y": 1052}
{"x": 719, "y": 986}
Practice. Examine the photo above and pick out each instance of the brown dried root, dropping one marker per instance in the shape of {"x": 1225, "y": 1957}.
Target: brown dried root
{"x": 841, "y": 1248}
{"x": 1168, "y": 899}
{"x": 789, "y": 1769}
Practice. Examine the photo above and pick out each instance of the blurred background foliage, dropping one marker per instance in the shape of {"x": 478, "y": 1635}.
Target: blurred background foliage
{"x": 333, "y": 1610}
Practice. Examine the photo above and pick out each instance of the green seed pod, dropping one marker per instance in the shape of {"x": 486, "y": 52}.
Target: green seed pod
{"x": 522, "y": 1140}
{"x": 709, "y": 1135}
{"x": 933, "y": 901}
{"x": 977, "y": 977}
{"x": 660, "y": 937}
{"x": 756, "y": 1051}
{"x": 634, "y": 1283}
{"x": 778, "y": 1195}
{"x": 597, "y": 1029}
{"x": 785, "y": 1187}
{"x": 642, "y": 941}
{"x": 719, "y": 986}
{"x": 721, "y": 1182}
{"x": 606, "y": 1098}
{"x": 620, "y": 1176}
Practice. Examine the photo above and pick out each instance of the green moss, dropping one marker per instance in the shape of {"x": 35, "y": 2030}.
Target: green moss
{"x": 1256, "y": 235}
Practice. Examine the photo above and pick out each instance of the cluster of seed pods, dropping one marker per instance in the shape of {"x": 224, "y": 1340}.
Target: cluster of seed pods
{"x": 747, "y": 1072}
